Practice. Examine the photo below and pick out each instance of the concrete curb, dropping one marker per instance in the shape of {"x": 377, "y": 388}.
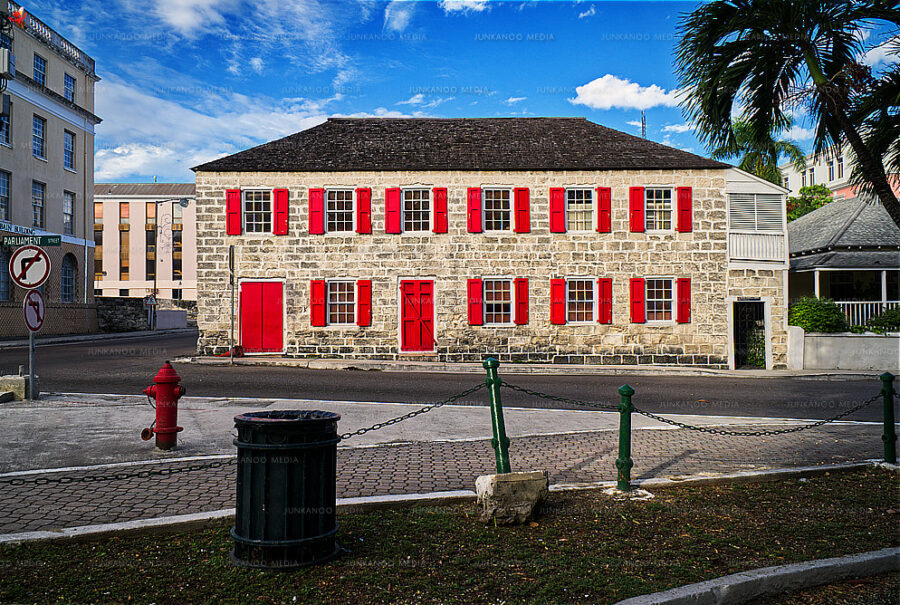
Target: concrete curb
{"x": 744, "y": 586}
{"x": 60, "y": 340}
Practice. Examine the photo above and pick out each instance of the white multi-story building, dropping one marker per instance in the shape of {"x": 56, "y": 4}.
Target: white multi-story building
{"x": 831, "y": 169}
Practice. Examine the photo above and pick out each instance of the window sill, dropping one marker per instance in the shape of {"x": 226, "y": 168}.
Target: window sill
{"x": 487, "y": 325}
{"x": 5, "y": 144}
{"x": 37, "y": 157}
{"x": 72, "y": 170}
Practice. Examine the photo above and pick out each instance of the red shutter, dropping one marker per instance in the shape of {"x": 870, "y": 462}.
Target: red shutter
{"x": 440, "y": 209}
{"x": 476, "y": 309}
{"x": 474, "y": 210}
{"x": 685, "y": 210}
{"x": 557, "y": 210}
{"x": 364, "y": 302}
{"x": 637, "y": 301}
{"x": 317, "y": 304}
{"x": 604, "y": 296}
{"x": 523, "y": 211}
{"x": 280, "y": 224}
{"x": 636, "y": 209}
{"x": 557, "y": 301}
{"x": 364, "y": 210}
{"x": 521, "y": 285}
{"x": 317, "y": 212}
{"x": 683, "y": 289}
{"x": 233, "y": 211}
{"x": 604, "y": 209}
{"x": 392, "y": 210}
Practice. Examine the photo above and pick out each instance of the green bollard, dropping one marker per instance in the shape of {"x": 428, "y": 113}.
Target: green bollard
{"x": 624, "y": 461}
{"x": 500, "y": 442}
{"x": 889, "y": 437}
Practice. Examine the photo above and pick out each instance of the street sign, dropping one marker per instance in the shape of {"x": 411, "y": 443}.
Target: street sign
{"x": 29, "y": 267}
{"x": 33, "y": 307}
{"x": 32, "y": 240}
{"x": 150, "y": 301}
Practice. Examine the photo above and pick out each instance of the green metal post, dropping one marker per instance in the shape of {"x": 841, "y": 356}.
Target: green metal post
{"x": 889, "y": 437}
{"x": 624, "y": 461}
{"x": 500, "y": 442}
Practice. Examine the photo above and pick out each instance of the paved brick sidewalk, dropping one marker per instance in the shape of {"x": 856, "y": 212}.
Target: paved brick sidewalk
{"x": 430, "y": 466}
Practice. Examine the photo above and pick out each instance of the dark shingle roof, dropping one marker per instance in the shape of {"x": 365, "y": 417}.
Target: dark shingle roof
{"x": 852, "y": 223}
{"x": 841, "y": 259}
{"x": 390, "y": 144}
{"x": 150, "y": 189}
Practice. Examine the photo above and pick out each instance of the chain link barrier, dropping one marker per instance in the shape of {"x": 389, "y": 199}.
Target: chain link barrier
{"x": 15, "y": 481}
{"x": 425, "y": 410}
{"x": 533, "y": 393}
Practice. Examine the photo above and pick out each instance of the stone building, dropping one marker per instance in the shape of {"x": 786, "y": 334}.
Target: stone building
{"x": 530, "y": 239}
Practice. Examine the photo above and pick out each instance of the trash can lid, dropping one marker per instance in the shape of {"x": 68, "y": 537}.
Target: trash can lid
{"x": 270, "y": 417}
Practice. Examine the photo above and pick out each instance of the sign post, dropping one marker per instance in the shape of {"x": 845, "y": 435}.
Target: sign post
{"x": 29, "y": 267}
{"x": 33, "y": 309}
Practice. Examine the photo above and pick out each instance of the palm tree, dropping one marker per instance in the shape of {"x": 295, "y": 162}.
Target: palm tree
{"x": 759, "y": 155}
{"x": 769, "y": 56}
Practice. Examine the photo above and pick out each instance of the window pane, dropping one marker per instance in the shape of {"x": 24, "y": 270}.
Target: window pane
{"x": 68, "y": 212}
{"x": 67, "y": 280}
{"x": 579, "y": 203}
{"x": 416, "y": 210}
{"x": 40, "y": 70}
{"x": 37, "y": 203}
{"x": 658, "y": 208}
{"x": 659, "y": 299}
{"x": 69, "y": 88}
{"x": 258, "y": 211}
{"x": 341, "y": 303}
{"x": 38, "y": 128}
{"x": 4, "y": 195}
{"x": 339, "y": 210}
{"x": 580, "y": 299}
{"x": 497, "y": 210}
{"x": 69, "y": 150}
{"x": 497, "y": 301}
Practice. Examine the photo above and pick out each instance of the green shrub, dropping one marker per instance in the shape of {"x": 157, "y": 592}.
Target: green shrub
{"x": 817, "y": 315}
{"x": 888, "y": 321}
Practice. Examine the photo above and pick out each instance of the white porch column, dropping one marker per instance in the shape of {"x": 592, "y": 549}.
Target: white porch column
{"x": 884, "y": 295}
{"x": 816, "y": 282}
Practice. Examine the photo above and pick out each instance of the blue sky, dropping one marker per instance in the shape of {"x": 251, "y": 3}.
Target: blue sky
{"x": 185, "y": 81}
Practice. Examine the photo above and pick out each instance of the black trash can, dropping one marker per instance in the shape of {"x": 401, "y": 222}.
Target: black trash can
{"x": 286, "y": 474}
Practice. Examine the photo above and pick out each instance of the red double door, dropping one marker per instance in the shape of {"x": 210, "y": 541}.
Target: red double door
{"x": 416, "y": 316}
{"x": 262, "y": 317}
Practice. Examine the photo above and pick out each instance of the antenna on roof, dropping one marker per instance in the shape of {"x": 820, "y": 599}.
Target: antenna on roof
{"x": 643, "y": 125}
{"x": 154, "y": 178}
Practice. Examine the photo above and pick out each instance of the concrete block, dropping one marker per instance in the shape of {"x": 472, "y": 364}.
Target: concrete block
{"x": 18, "y": 386}
{"x": 510, "y": 498}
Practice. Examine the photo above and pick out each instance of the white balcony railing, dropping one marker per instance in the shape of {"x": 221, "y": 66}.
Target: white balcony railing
{"x": 858, "y": 313}
{"x": 757, "y": 246}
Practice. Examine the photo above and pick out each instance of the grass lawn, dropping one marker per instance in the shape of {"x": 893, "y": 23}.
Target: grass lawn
{"x": 584, "y": 548}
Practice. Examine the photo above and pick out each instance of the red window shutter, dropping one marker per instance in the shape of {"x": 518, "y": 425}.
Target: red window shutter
{"x": 440, "y": 209}
{"x": 683, "y": 297}
{"x": 474, "y": 210}
{"x": 604, "y": 209}
{"x": 476, "y": 308}
{"x": 521, "y": 286}
{"x": 280, "y": 222}
{"x": 636, "y": 209}
{"x": 557, "y": 301}
{"x": 364, "y": 302}
{"x": 317, "y": 303}
{"x": 604, "y": 297}
{"x": 316, "y": 212}
{"x": 233, "y": 212}
{"x": 685, "y": 209}
{"x": 523, "y": 210}
{"x": 637, "y": 301}
{"x": 392, "y": 210}
{"x": 557, "y": 210}
{"x": 364, "y": 210}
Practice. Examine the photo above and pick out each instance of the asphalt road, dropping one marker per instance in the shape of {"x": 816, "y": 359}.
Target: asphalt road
{"x": 128, "y": 365}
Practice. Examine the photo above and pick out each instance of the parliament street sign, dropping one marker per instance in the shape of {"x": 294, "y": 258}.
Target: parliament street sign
{"x": 31, "y": 240}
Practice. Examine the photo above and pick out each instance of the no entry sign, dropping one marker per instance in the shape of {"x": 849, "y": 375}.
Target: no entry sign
{"x": 33, "y": 307}
{"x": 29, "y": 267}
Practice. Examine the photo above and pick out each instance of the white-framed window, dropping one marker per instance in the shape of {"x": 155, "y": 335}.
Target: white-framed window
{"x": 659, "y": 299}
{"x": 69, "y": 150}
{"x": 5, "y": 183}
{"x": 579, "y": 209}
{"x": 658, "y": 208}
{"x": 416, "y": 209}
{"x": 38, "y": 196}
{"x": 812, "y": 177}
{"x": 338, "y": 210}
{"x": 257, "y": 211}
{"x": 787, "y": 182}
{"x": 6, "y": 128}
{"x": 497, "y": 208}
{"x": 341, "y": 301}
{"x": 68, "y": 212}
{"x": 67, "y": 279}
{"x": 39, "y": 137}
{"x": 69, "y": 88}
{"x": 803, "y": 178}
{"x": 755, "y": 212}
{"x": 830, "y": 170}
{"x": 498, "y": 300}
{"x": 40, "y": 69}
{"x": 840, "y": 166}
{"x": 581, "y": 300}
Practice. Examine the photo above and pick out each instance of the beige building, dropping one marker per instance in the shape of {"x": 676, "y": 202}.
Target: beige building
{"x": 145, "y": 239}
{"x": 531, "y": 239}
{"x": 831, "y": 169}
{"x": 46, "y": 172}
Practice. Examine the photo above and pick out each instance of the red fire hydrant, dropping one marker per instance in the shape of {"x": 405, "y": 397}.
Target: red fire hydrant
{"x": 166, "y": 391}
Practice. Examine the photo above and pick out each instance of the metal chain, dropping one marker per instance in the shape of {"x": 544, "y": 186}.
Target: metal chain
{"x": 116, "y": 476}
{"x": 425, "y": 410}
{"x": 602, "y": 406}
{"x": 795, "y": 429}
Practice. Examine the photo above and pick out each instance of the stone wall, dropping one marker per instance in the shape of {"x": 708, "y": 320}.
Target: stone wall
{"x": 767, "y": 284}
{"x": 452, "y": 258}
{"x": 120, "y": 314}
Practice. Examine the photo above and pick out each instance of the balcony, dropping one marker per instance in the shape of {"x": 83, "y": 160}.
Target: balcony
{"x": 757, "y": 246}
{"x": 858, "y": 313}
{"x": 40, "y": 30}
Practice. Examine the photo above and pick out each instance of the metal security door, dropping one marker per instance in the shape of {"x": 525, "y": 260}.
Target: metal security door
{"x": 416, "y": 316}
{"x": 749, "y": 335}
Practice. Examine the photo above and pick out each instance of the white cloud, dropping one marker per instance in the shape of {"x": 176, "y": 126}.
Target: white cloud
{"x": 416, "y": 99}
{"x": 679, "y": 128}
{"x": 397, "y": 15}
{"x": 512, "y": 100}
{"x": 798, "y": 133}
{"x": 611, "y": 92}
{"x": 883, "y": 53}
{"x": 190, "y": 16}
{"x": 588, "y": 13}
{"x": 635, "y": 123}
{"x": 420, "y": 100}
{"x": 257, "y": 64}
{"x": 463, "y": 6}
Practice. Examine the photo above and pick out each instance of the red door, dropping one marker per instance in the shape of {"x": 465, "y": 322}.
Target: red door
{"x": 262, "y": 313}
{"x": 416, "y": 316}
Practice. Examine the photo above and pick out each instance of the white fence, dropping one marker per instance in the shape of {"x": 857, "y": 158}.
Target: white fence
{"x": 858, "y": 313}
